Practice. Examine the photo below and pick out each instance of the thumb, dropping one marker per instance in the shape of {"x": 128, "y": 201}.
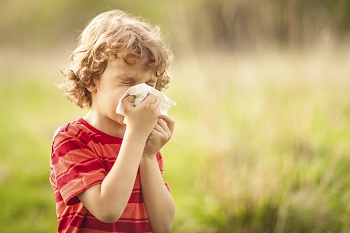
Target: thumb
{"x": 128, "y": 102}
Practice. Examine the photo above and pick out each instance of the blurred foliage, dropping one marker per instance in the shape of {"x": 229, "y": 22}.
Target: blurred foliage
{"x": 275, "y": 128}
{"x": 50, "y": 22}
{"x": 252, "y": 24}
{"x": 226, "y": 24}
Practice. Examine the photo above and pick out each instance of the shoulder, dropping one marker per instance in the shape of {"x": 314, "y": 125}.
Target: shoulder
{"x": 71, "y": 142}
{"x": 73, "y": 131}
{"x": 64, "y": 128}
{"x": 59, "y": 130}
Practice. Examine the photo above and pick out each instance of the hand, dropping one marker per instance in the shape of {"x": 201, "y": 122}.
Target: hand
{"x": 160, "y": 135}
{"x": 143, "y": 117}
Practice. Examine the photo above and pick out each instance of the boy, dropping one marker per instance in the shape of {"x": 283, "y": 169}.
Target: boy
{"x": 106, "y": 168}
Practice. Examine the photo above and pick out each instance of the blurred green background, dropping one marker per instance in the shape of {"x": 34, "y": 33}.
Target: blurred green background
{"x": 262, "y": 139}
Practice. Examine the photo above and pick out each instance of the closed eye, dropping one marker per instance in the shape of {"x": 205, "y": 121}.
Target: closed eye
{"x": 129, "y": 81}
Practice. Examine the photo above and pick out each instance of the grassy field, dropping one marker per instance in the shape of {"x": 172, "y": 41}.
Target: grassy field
{"x": 261, "y": 143}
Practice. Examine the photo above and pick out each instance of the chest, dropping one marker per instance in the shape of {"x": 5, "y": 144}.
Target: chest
{"x": 107, "y": 153}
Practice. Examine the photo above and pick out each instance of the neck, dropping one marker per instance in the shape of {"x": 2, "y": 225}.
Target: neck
{"x": 104, "y": 124}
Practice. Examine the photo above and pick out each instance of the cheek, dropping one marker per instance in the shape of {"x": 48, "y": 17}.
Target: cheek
{"x": 116, "y": 101}
{"x": 119, "y": 94}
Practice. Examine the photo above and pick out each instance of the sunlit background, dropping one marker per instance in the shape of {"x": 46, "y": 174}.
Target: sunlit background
{"x": 262, "y": 138}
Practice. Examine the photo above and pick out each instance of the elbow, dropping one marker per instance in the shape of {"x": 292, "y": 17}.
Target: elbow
{"x": 109, "y": 217}
{"x": 168, "y": 228}
{"x": 168, "y": 225}
{"x": 109, "y": 213}
{"x": 164, "y": 229}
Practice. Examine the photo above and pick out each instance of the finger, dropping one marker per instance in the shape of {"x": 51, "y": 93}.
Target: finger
{"x": 153, "y": 100}
{"x": 170, "y": 122}
{"x": 157, "y": 104}
{"x": 129, "y": 98}
{"x": 158, "y": 101}
{"x": 128, "y": 102}
{"x": 159, "y": 134}
{"x": 155, "y": 134}
{"x": 150, "y": 99}
{"x": 164, "y": 126}
{"x": 159, "y": 128}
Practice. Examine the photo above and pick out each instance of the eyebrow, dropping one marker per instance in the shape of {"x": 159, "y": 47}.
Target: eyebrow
{"x": 134, "y": 79}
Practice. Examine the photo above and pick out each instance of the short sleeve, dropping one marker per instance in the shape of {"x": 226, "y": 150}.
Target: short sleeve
{"x": 75, "y": 167}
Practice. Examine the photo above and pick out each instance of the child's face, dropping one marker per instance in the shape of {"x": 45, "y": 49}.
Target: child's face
{"x": 113, "y": 83}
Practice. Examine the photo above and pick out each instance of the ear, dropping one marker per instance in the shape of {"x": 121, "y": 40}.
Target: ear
{"x": 93, "y": 87}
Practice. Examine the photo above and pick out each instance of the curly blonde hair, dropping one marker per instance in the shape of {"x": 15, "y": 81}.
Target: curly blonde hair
{"x": 109, "y": 35}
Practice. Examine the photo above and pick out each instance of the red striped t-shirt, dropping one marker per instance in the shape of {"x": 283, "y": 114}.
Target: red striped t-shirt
{"x": 81, "y": 157}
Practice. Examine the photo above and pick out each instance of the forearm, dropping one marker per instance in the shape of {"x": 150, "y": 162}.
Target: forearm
{"x": 118, "y": 184}
{"x": 108, "y": 200}
{"x": 159, "y": 203}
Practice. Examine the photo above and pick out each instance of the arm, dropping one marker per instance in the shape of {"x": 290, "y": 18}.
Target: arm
{"x": 159, "y": 203}
{"x": 107, "y": 201}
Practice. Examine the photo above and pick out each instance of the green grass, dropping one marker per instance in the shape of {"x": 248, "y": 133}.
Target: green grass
{"x": 30, "y": 110}
{"x": 276, "y": 129}
{"x": 261, "y": 144}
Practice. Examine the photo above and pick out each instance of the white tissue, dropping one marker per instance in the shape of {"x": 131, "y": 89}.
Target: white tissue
{"x": 140, "y": 92}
